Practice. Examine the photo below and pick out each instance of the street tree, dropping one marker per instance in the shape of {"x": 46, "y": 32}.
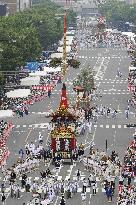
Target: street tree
{"x": 86, "y": 80}
{"x": 25, "y": 34}
{"x": 118, "y": 11}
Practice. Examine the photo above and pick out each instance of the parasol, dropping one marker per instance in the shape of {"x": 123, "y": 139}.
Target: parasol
{"x": 78, "y": 88}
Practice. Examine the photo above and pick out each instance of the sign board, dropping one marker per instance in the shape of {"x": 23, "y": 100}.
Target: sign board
{"x": 64, "y": 155}
{"x": 63, "y": 144}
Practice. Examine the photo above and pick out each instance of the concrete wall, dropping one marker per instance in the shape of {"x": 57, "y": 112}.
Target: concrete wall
{"x": 23, "y": 4}
{"x": 131, "y": 2}
{"x": 11, "y": 5}
{"x": 16, "y": 5}
{"x": 64, "y": 2}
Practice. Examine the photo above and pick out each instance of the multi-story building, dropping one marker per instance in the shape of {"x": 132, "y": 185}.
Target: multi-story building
{"x": 64, "y": 2}
{"x": 3, "y": 9}
{"x": 131, "y": 2}
{"x": 16, "y": 5}
{"x": 89, "y": 8}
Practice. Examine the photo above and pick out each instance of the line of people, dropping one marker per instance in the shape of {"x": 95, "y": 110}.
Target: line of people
{"x": 127, "y": 185}
{"x": 105, "y": 168}
{"x": 101, "y": 111}
{"x": 88, "y": 40}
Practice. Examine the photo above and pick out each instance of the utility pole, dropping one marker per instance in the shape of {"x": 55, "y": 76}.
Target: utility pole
{"x": 64, "y": 46}
{"x": 106, "y": 144}
{"x": 19, "y": 5}
{"x": 30, "y": 3}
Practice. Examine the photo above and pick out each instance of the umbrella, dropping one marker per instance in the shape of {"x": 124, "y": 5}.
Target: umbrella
{"x": 78, "y": 88}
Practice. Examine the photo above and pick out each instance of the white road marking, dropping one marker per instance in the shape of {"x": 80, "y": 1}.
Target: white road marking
{"x": 47, "y": 139}
{"x": 28, "y": 135}
{"x": 17, "y": 126}
{"x": 115, "y": 136}
{"x": 44, "y": 126}
{"x": 101, "y": 126}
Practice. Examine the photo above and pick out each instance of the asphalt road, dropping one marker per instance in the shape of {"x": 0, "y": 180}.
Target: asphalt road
{"x": 105, "y": 62}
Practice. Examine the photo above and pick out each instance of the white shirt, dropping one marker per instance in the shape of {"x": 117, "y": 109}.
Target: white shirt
{"x": 120, "y": 178}
{"x": 84, "y": 183}
{"x": 32, "y": 146}
{"x": 40, "y": 137}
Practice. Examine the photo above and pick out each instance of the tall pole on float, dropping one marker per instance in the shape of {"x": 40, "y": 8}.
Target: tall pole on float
{"x": 64, "y": 45}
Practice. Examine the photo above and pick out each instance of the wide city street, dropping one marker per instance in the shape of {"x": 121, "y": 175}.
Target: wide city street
{"x": 109, "y": 132}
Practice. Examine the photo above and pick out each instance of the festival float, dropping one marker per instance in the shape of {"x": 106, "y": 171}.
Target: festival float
{"x": 101, "y": 33}
{"x": 63, "y": 135}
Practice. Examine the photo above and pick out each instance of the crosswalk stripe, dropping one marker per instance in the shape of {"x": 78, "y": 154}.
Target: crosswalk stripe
{"x": 115, "y": 90}
{"x": 79, "y": 190}
{"x": 36, "y": 126}
{"x": 17, "y": 126}
{"x": 36, "y": 178}
{"x": 105, "y": 93}
{"x": 45, "y": 126}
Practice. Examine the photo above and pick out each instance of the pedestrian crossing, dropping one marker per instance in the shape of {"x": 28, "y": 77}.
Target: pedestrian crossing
{"x": 105, "y": 80}
{"x": 32, "y": 126}
{"x": 94, "y": 49}
{"x": 110, "y": 126}
{"x": 117, "y": 93}
{"x": 112, "y": 82}
{"x": 45, "y": 126}
{"x": 106, "y": 57}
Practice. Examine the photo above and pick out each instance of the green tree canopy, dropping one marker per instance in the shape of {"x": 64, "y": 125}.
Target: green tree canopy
{"x": 85, "y": 79}
{"x": 25, "y": 34}
{"x": 116, "y": 11}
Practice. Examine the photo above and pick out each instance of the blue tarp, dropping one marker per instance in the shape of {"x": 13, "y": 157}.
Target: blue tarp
{"x": 32, "y": 66}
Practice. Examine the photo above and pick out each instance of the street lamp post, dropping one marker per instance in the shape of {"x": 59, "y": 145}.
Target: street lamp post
{"x": 64, "y": 47}
{"x": 1, "y": 50}
{"x": 64, "y": 64}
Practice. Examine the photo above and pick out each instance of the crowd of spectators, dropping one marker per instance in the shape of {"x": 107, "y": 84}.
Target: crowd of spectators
{"x": 127, "y": 181}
